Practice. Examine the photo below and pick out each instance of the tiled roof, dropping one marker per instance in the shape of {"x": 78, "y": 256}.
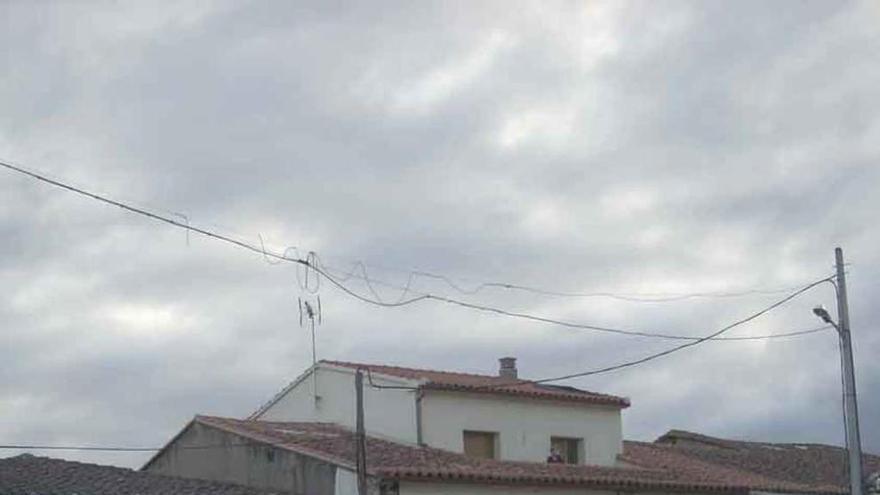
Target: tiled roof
{"x": 820, "y": 466}
{"x": 392, "y": 460}
{"x": 467, "y": 382}
{"x": 31, "y": 475}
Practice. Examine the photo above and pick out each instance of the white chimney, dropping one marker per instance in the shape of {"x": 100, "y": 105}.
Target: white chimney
{"x": 507, "y": 367}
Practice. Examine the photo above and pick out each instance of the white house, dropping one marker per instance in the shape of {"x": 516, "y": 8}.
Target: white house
{"x": 434, "y": 432}
{"x": 428, "y": 432}
{"x": 498, "y": 417}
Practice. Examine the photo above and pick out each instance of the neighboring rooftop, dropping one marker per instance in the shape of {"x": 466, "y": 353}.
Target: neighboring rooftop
{"x": 26, "y": 474}
{"x": 397, "y": 461}
{"x": 813, "y": 467}
{"x": 505, "y": 383}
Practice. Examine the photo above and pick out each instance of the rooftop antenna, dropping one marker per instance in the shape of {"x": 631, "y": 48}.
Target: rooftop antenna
{"x": 312, "y": 312}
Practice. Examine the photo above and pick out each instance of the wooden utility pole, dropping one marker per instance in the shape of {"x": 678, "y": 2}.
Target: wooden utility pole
{"x": 851, "y": 413}
{"x": 360, "y": 434}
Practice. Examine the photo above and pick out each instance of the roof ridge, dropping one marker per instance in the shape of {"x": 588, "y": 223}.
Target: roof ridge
{"x": 735, "y": 442}
{"x": 43, "y": 458}
{"x": 406, "y": 368}
{"x": 461, "y": 381}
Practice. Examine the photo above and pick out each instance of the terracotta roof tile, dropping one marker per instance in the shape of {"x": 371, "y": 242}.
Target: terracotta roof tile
{"x": 468, "y": 382}
{"x": 393, "y": 460}
{"x": 29, "y": 475}
{"x": 820, "y": 466}
{"x": 665, "y": 457}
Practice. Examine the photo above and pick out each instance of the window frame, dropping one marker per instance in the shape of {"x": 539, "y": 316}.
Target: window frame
{"x": 574, "y": 447}
{"x": 495, "y": 443}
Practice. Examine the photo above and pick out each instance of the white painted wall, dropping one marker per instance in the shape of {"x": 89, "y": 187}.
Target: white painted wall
{"x": 387, "y": 413}
{"x": 346, "y": 482}
{"x": 524, "y": 426}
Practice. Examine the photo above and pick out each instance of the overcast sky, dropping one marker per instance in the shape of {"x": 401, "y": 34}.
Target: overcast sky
{"x": 651, "y": 147}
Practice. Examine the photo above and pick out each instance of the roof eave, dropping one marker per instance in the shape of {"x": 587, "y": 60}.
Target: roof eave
{"x": 616, "y": 402}
{"x": 562, "y": 481}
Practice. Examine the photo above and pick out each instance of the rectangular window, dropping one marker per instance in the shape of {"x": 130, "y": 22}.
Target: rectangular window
{"x": 568, "y": 449}
{"x": 480, "y": 444}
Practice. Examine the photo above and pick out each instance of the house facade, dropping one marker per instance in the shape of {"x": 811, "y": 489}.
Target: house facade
{"x": 433, "y": 432}
{"x": 492, "y": 416}
{"x": 311, "y": 458}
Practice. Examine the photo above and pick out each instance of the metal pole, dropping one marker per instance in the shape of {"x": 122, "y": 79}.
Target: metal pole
{"x": 360, "y": 435}
{"x": 854, "y": 443}
{"x": 314, "y": 359}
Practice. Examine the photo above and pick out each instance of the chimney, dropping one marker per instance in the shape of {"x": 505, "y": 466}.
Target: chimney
{"x": 507, "y": 367}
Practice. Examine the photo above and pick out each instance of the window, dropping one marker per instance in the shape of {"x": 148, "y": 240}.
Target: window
{"x": 567, "y": 448}
{"x": 480, "y": 444}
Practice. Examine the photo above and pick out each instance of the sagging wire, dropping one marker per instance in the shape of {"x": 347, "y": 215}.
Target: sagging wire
{"x": 644, "y": 297}
{"x": 666, "y": 352}
{"x": 314, "y": 271}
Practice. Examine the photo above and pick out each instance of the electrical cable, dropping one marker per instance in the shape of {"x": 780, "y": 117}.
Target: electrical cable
{"x": 312, "y": 262}
{"x": 666, "y": 352}
{"x": 635, "y": 333}
{"x": 645, "y": 297}
{"x": 651, "y": 357}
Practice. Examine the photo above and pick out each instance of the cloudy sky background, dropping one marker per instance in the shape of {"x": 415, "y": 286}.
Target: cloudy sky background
{"x": 659, "y": 147}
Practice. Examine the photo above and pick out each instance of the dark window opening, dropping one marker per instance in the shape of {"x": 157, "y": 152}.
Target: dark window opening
{"x": 566, "y": 450}
{"x": 480, "y": 444}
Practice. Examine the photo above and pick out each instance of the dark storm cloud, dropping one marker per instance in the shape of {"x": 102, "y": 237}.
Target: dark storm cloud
{"x": 659, "y": 146}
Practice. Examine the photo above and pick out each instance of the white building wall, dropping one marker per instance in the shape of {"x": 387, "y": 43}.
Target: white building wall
{"x": 387, "y": 413}
{"x": 346, "y": 482}
{"x": 524, "y": 426}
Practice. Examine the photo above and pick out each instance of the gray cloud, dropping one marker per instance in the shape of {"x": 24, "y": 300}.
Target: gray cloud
{"x": 667, "y": 147}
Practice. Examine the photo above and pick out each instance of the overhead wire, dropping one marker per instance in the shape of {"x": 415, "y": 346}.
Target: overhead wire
{"x": 698, "y": 340}
{"x": 645, "y": 297}
{"x": 668, "y": 351}
{"x": 582, "y": 326}
{"x": 312, "y": 263}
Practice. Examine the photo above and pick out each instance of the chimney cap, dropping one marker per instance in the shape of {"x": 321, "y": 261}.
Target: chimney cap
{"x": 507, "y": 367}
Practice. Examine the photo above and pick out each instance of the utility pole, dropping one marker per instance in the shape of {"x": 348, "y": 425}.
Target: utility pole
{"x": 851, "y": 413}
{"x": 360, "y": 434}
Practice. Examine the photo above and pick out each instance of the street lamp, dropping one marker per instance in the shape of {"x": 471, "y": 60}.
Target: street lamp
{"x": 822, "y": 313}
{"x": 851, "y": 407}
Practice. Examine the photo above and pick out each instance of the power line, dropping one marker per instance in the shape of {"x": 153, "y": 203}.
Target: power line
{"x": 140, "y": 211}
{"x": 645, "y": 297}
{"x": 175, "y": 223}
{"x": 581, "y": 326}
{"x": 669, "y": 351}
{"x": 525, "y": 382}
{"x": 312, "y": 262}
{"x": 699, "y": 340}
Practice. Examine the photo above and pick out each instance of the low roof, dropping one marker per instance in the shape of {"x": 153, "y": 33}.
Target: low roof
{"x": 815, "y": 465}
{"x": 489, "y": 384}
{"x": 26, "y": 474}
{"x": 398, "y": 461}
